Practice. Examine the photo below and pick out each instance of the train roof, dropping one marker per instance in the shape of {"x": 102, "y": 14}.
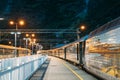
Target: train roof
{"x": 82, "y": 39}
{"x": 106, "y": 27}
{"x": 69, "y": 44}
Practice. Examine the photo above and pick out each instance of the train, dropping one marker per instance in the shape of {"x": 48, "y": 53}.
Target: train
{"x": 7, "y": 51}
{"x": 98, "y": 52}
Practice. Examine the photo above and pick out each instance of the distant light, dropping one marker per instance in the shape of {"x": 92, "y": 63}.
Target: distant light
{"x": 82, "y": 27}
{"x": 26, "y": 38}
{"x": 10, "y": 42}
{"x": 21, "y": 22}
{"x": 34, "y": 40}
{"x": 11, "y": 22}
{"x": 1, "y": 18}
{"x": 18, "y": 32}
{"x": 27, "y": 35}
{"x": 33, "y": 35}
{"x": 12, "y": 32}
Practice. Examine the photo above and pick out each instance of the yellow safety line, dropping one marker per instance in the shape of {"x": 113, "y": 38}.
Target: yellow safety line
{"x": 73, "y": 71}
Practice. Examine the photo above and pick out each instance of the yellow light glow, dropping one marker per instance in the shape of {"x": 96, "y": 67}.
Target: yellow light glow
{"x": 27, "y": 35}
{"x": 21, "y": 22}
{"x": 9, "y": 42}
{"x": 82, "y": 27}
{"x": 33, "y": 35}
{"x": 34, "y": 40}
{"x": 11, "y": 22}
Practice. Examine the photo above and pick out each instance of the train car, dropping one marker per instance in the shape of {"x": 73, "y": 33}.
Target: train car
{"x": 74, "y": 50}
{"x": 98, "y": 53}
{"x": 71, "y": 52}
{"x": 61, "y": 53}
{"x": 102, "y": 51}
{"x": 9, "y": 51}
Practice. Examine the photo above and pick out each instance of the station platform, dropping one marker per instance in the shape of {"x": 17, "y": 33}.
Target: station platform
{"x": 59, "y": 69}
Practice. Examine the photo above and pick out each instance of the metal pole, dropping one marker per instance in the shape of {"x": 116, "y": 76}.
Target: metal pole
{"x": 16, "y": 40}
{"x": 78, "y": 32}
{"x": 16, "y": 26}
{"x": 32, "y": 48}
{"x": 26, "y": 44}
{"x": 15, "y": 43}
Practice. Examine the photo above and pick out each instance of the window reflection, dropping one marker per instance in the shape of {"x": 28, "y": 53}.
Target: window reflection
{"x": 103, "y": 53}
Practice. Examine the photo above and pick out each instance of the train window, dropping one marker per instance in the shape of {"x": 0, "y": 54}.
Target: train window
{"x": 104, "y": 54}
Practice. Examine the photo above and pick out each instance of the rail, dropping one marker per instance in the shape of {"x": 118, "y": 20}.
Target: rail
{"x": 20, "y": 68}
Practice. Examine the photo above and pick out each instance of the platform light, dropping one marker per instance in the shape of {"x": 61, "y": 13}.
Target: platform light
{"x": 31, "y": 39}
{"x": 18, "y": 32}
{"x": 10, "y": 42}
{"x": 12, "y": 33}
{"x": 79, "y": 30}
{"x": 11, "y": 22}
{"x": 27, "y": 35}
{"x": 21, "y": 22}
{"x": 82, "y": 27}
{"x": 33, "y": 35}
{"x": 1, "y": 19}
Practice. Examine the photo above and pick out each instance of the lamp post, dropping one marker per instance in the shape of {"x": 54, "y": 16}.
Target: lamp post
{"x": 21, "y": 22}
{"x": 32, "y": 41}
{"x": 1, "y": 19}
{"x": 26, "y": 40}
{"x": 79, "y": 31}
{"x": 79, "y": 55}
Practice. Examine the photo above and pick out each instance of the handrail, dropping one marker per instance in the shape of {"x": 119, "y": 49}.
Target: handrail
{"x": 22, "y": 68}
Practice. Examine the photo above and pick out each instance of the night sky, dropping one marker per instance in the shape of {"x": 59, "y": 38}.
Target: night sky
{"x": 59, "y": 14}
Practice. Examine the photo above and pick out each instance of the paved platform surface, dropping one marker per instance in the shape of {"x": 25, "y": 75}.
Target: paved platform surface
{"x": 59, "y": 69}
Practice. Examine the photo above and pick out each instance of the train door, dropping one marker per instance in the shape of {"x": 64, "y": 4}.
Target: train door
{"x": 81, "y": 52}
{"x": 77, "y": 51}
{"x": 64, "y": 53}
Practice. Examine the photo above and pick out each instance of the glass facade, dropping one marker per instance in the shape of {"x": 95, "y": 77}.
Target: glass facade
{"x": 103, "y": 52}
